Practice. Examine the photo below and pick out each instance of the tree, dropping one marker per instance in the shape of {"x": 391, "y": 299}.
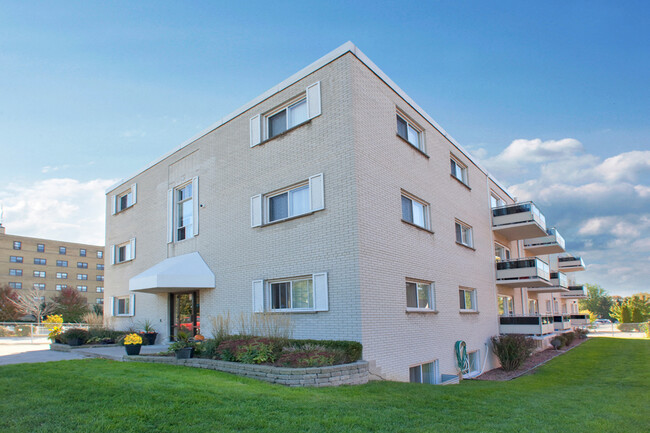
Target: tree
{"x": 71, "y": 305}
{"x": 633, "y": 309}
{"x": 9, "y": 312}
{"x": 32, "y": 304}
{"x": 598, "y": 301}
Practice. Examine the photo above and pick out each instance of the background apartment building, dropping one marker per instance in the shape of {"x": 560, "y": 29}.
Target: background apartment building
{"x": 332, "y": 197}
{"x": 49, "y": 266}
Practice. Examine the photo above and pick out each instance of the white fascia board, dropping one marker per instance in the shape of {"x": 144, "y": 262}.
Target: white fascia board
{"x": 327, "y": 58}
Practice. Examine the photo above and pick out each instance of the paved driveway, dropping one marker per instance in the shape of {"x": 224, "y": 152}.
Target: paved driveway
{"x": 16, "y": 350}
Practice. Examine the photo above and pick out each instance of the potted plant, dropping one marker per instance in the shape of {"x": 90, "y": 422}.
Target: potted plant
{"x": 75, "y": 336}
{"x": 148, "y": 333}
{"x": 183, "y": 347}
{"x": 132, "y": 344}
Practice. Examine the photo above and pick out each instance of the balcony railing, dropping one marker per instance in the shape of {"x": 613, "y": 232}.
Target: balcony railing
{"x": 527, "y": 272}
{"x": 576, "y": 292}
{"x": 529, "y": 325}
{"x": 562, "y": 322}
{"x": 552, "y": 243}
{"x": 570, "y": 264}
{"x": 519, "y": 221}
{"x": 580, "y": 319}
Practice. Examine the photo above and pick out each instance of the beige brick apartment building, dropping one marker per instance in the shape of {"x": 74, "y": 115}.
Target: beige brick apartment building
{"x": 49, "y": 266}
{"x": 332, "y": 197}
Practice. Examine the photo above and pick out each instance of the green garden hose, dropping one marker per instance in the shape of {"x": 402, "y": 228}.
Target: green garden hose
{"x": 462, "y": 360}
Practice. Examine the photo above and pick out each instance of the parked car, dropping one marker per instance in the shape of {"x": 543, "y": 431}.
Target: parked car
{"x": 602, "y": 321}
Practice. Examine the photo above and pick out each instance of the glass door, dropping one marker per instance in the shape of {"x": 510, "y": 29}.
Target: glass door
{"x": 185, "y": 313}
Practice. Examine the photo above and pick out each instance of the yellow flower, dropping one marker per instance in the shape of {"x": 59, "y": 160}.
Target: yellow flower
{"x": 132, "y": 339}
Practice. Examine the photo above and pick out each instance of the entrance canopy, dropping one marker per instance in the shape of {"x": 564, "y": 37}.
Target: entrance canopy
{"x": 176, "y": 274}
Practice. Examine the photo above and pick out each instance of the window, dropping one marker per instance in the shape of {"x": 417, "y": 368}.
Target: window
{"x": 40, "y": 261}
{"x": 82, "y": 265}
{"x": 123, "y": 306}
{"x": 39, "y": 274}
{"x": 62, "y": 250}
{"x": 532, "y": 306}
{"x": 82, "y": 253}
{"x": 123, "y": 252}
{"x": 286, "y": 118}
{"x": 501, "y": 252}
{"x": 82, "y": 288}
{"x": 459, "y": 170}
{"x": 100, "y": 267}
{"x": 299, "y": 199}
{"x": 474, "y": 359}
{"x": 60, "y": 287}
{"x": 548, "y": 307}
{"x": 40, "y": 248}
{"x": 62, "y": 263}
{"x": 82, "y": 276}
{"x": 496, "y": 201}
{"x": 16, "y": 272}
{"x": 467, "y": 299}
{"x": 425, "y": 373}
{"x": 100, "y": 300}
{"x": 184, "y": 212}
{"x": 16, "y": 285}
{"x": 505, "y": 305}
{"x": 306, "y": 293}
{"x": 100, "y": 278}
{"x": 39, "y": 286}
{"x": 15, "y": 259}
{"x": 420, "y": 296}
{"x": 556, "y": 307}
{"x": 409, "y": 132}
{"x": 464, "y": 234}
{"x": 18, "y": 245}
{"x": 124, "y": 200}
{"x": 100, "y": 289}
{"x": 100, "y": 254}
{"x": 415, "y": 211}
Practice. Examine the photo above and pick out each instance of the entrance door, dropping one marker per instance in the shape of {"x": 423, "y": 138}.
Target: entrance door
{"x": 185, "y": 313}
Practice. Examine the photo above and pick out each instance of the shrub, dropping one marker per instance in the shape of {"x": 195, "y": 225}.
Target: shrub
{"x": 351, "y": 349}
{"x": 512, "y": 350}
{"x": 72, "y": 333}
{"x": 249, "y": 351}
{"x": 106, "y": 336}
{"x": 581, "y": 333}
{"x": 568, "y": 337}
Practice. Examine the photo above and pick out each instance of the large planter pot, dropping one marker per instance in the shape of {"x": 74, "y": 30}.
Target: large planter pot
{"x": 185, "y": 353}
{"x": 132, "y": 349}
{"x": 74, "y": 342}
{"x": 149, "y": 338}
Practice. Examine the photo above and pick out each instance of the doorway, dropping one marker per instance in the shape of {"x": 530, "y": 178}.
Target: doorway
{"x": 185, "y": 313}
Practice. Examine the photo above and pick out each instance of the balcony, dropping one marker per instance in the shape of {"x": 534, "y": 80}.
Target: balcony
{"x": 528, "y": 325}
{"x": 580, "y": 320}
{"x": 518, "y": 221}
{"x": 552, "y": 243}
{"x": 576, "y": 292}
{"x": 559, "y": 283}
{"x": 528, "y": 272}
{"x": 562, "y": 323}
{"x": 570, "y": 264}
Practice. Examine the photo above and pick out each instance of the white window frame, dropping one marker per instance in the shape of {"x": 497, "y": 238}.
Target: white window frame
{"x": 288, "y": 109}
{"x": 262, "y": 296}
{"x": 99, "y": 289}
{"x": 100, "y": 301}
{"x": 39, "y": 274}
{"x": 290, "y": 282}
{"x": 496, "y": 200}
{"x": 99, "y": 278}
{"x": 459, "y": 170}
{"x": 415, "y": 202}
{"x": 261, "y": 204}
{"x": 464, "y": 234}
{"x": 429, "y": 287}
{"x": 82, "y": 265}
{"x": 60, "y": 263}
{"x": 60, "y": 287}
{"x": 462, "y": 299}
{"x": 434, "y": 376}
{"x": 100, "y": 254}
{"x": 16, "y": 272}
{"x": 506, "y": 252}
{"x": 15, "y": 259}
{"x": 129, "y": 247}
{"x": 534, "y": 304}
{"x": 16, "y": 285}
{"x": 124, "y": 200}
{"x": 114, "y": 304}
{"x": 83, "y": 277}
{"x": 474, "y": 362}
{"x": 414, "y": 133}
{"x": 290, "y": 194}
{"x": 173, "y": 212}
{"x": 508, "y": 304}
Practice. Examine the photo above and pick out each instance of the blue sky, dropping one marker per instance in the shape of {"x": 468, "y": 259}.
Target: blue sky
{"x": 551, "y": 96}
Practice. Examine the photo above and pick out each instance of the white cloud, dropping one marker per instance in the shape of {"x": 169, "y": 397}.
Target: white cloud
{"x": 625, "y": 166}
{"x": 59, "y": 208}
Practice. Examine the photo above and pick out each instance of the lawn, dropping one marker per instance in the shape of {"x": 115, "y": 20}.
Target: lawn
{"x": 601, "y": 386}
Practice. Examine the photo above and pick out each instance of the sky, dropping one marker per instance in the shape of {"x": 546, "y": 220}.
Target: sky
{"x": 552, "y": 97}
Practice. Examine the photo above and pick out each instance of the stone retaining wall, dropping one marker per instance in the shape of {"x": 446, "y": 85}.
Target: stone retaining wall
{"x": 346, "y": 374}
{"x": 58, "y": 347}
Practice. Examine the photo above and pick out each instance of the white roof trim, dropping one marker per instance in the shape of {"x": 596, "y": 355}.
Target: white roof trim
{"x": 175, "y": 274}
{"x": 329, "y": 57}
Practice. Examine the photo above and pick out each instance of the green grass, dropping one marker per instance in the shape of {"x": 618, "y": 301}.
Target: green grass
{"x": 601, "y": 386}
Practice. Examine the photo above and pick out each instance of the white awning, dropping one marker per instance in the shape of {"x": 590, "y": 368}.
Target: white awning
{"x": 176, "y": 274}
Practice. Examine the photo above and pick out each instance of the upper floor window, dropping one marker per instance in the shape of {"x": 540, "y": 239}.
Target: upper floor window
{"x": 100, "y": 267}
{"x": 184, "y": 212}
{"x": 82, "y": 288}
{"x": 15, "y": 259}
{"x": 459, "y": 170}
{"x": 39, "y": 274}
{"x": 62, "y": 263}
{"x": 467, "y": 299}
{"x": 420, "y": 295}
{"x": 300, "y": 199}
{"x": 464, "y": 234}
{"x": 501, "y": 252}
{"x": 415, "y": 211}
{"x": 124, "y": 200}
{"x": 62, "y": 275}
{"x": 100, "y": 254}
{"x": 100, "y": 289}
{"x": 409, "y": 132}
{"x": 496, "y": 201}
{"x": 63, "y": 250}
{"x": 82, "y": 253}
{"x": 16, "y": 285}
{"x": 39, "y": 286}
{"x": 60, "y": 287}
{"x": 82, "y": 276}
{"x": 40, "y": 261}
{"x": 100, "y": 278}
{"x": 16, "y": 272}
{"x": 40, "y": 248}
{"x": 288, "y": 203}
{"x": 18, "y": 245}
{"x": 123, "y": 252}
{"x": 82, "y": 265}
{"x": 505, "y": 305}
{"x": 286, "y": 118}
{"x": 100, "y": 300}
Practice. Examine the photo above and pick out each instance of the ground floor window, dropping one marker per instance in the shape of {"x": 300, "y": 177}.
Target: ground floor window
{"x": 425, "y": 373}
{"x": 420, "y": 295}
{"x": 292, "y": 295}
{"x": 467, "y": 299}
{"x": 474, "y": 362}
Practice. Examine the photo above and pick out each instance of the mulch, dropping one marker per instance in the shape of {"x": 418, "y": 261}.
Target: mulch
{"x": 529, "y": 365}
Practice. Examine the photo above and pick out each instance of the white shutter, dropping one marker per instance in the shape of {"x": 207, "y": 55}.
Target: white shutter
{"x": 170, "y": 216}
{"x": 112, "y": 254}
{"x": 256, "y": 130}
{"x": 134, "y": 193}
{"x": 320, "y": 291}
{"x": 111, "y": 306}
{"x": 132, "y": 249}
{"x": 316, "y": 192}
{"x": 313, "y": 100}
{"x": 258, "y": 296}
{"x": 132, "y": 305}
{"x": 256, "y": 210}
{"x": 195, "y": 203}
{"x": 113, "y": 204}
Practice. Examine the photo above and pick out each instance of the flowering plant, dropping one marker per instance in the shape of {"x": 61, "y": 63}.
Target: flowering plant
{"x": 55, "y": 331}
{"x": 132, "y": 339}
{"x": 54, "y": 319}
{"x": 199, "y": 337}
